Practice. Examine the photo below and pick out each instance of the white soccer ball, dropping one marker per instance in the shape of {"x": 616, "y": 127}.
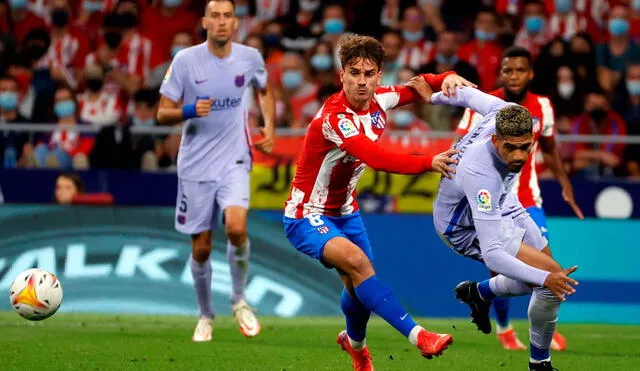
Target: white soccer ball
{"x": 35, "y": 294}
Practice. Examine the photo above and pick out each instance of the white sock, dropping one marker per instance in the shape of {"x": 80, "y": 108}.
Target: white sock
{"x": 357, "y": 345}
{"x": 500, "y": 329}
{"x": 505, "y": 286}
{"x": 413, "y": 335}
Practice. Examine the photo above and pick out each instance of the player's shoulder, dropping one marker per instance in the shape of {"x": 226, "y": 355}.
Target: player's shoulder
{"x": 189, "y": 53}
{"x": 246, "y": 51}
{"x": 385, "y": 89}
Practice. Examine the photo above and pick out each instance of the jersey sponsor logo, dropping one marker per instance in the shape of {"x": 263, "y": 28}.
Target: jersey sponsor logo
{"x": 347, "y": 128}
{"x": 239, "y": 81}
{"x": 484, "y": 200}
{"x": 220, "y": 104}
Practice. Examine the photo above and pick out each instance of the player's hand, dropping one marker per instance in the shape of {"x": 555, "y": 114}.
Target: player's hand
{"x": 451, "y": 82}
{"x": 560, "y": 284}
{"x": 420, "y": 85}
{"x": 441, "y": 162}
{"x": 203, "y": 106}
{"x": 265, "y": 145}
{"x": 567, "y": 195}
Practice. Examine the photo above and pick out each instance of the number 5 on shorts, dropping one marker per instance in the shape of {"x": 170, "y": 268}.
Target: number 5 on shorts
{"x": 315, "y": 220}
{"x": 183, "y": 203}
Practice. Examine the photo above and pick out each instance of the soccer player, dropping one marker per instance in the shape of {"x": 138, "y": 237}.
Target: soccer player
{"x": 478, "y": 215}
{"x": 207, "y": 87}
{"x": 321, "y": 217}
{"x": 515, "y": 74}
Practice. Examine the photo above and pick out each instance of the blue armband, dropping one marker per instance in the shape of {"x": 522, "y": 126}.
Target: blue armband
{"x": 189, "y": 111}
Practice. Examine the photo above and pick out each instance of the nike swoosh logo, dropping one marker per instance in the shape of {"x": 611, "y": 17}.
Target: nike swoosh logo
{"x": 200, "y": 81}
{"x": 403, "y": 317}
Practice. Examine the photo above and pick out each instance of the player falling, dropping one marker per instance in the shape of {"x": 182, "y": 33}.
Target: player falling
{"x": 321, "y": 217}
{"x": 207, "y": 87}
{"x": 515, "y": 76}
{"x": 479, "y": 216}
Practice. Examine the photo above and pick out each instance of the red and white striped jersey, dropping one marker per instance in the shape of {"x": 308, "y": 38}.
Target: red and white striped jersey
{"x": 415, "y": 56}
{"x": 326, "y": 176}
{"x": 543, "y": 125}
{"x": 106, "y": 110}
{"x": 566, "y": 26}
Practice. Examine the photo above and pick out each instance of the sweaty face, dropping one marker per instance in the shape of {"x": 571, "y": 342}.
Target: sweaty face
{"x": 65, "y": 190}
{"x": 359, "y": 80}
{"x": 515, "y": 74}
{"x": 514, "y": 151}
{"x": 220, "y": 21}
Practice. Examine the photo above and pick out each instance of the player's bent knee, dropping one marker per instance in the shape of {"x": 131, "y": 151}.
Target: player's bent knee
{"x": 358, "y": 265}
{"x": 201, "y": 246}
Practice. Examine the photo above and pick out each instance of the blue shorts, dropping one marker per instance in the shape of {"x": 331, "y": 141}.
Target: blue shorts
{"x": 537, "y": 214}
{"x": 309, "y": 234}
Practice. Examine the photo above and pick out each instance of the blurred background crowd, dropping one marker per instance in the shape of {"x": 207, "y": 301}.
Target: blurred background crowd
{"x": 100, "y": 63}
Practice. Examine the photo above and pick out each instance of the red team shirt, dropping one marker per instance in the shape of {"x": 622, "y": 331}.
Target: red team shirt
{"x": 543, "y": 125}
{"x": 338, "y": 143}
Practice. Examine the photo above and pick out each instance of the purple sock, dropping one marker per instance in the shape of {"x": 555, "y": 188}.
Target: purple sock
{"x": 201, "y": 274}
{"x": 238, "y": 258}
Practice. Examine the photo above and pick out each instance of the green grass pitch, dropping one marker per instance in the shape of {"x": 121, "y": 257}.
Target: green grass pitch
{"x": 110, "y": 342}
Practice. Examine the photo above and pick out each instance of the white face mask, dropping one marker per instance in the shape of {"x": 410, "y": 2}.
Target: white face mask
{"x": 566, "y": 89}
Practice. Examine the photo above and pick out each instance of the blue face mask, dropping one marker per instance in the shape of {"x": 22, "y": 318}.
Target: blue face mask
{"x": 563, "y": 6}
{"x": 441, "y": 59}
{"x": 618, "y": 26}
{"x": 291, "y": 79}
{"x": 171, "y": 3}
{"x": 485, "y": 36}
{"x": 321, "y": 62}
{"x": 64, "y": 108}
{"x": 8, "y": 100}
{"x": 175, "y": 50}
{"x": 534, "y": 24}
{"x": 412, "y": 36}
{"x": 633, "y": 87}
{"x": 18, "y": 4}
{"x": 92, "y": 6}
{"x": 241, "y": 10}
{"x": 402, "y": 118}
{"x": 334, "y": 26}
{"x": 139, "y": 122}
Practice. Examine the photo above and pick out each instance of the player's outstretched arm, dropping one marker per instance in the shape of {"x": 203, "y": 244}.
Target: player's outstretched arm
{"x": 472, "y": 98}
{"x": 268, "y": 108}
{"x": 170, "y": 112}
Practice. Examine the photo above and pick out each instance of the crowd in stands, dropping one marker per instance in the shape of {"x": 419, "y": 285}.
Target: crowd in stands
{"x": 101, "y": 62}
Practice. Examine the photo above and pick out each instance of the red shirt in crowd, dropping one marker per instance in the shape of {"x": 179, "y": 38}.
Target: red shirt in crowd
{"x": 485, "y": 57}
{"x": 613, "y": 125}
{"x": 21, "y": 28}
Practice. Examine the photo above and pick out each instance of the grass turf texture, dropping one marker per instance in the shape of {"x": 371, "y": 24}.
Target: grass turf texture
{"x": 109, "y": 342}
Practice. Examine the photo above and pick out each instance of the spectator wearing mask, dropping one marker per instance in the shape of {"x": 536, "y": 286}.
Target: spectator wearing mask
{"x": 65, "y": 147}
{"x": 484, "y": 51}
{"x": 303, "y": 28}
{"x": 269, "y": 10}
{"x": 334, "y": 24}
{"x": 592, "y": 159}
{"x": 248, "y": 24}
{"x": 161, "y": 23}
{"x": 632, "y": 118}
{"x": 567, "y": 98}
{"x": 149, "y": 152}
{"x": 90, "y": 18}
{"x": 299, "y": 95}
{"x": 181, "y": 40}
{"x": 68, "y": 186}
{"x": 416, "y": 51}
{"x": 534, "y": 32}
{"x": 106, "y": 55}
{"x": 582, "y": 53}
{"x": 22, "y": 19}
{"x": 14, "y": 145}
{"x": 392, "y": 42}
{"x": 565, "y": 22}
{"x": 97, "y": 106}
{"x": 69, "y": 47}
{"x": 390, "y": 14}
{"x": 323, "y": 70}
{"x": 614, "y": 56}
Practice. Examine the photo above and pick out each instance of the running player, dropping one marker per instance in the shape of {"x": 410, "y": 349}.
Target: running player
{"x": 515, "y": 74}
{"x": 207, "y": 87}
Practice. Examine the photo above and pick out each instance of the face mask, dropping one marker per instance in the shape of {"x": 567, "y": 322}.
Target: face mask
{"x": 618, "y": 26}
{"x": 450, "y": 61}
{"x": 171, "y": 3}
{"x": 92, "y": 6}
{"x": 94, "y": 84}
{"x": 309, "y": 5}
{"x": 563, "y": 6}
{"x": 412, "y": 36}
{"x": 140, "y": 122}
{"x": 636, "y": 5}
{"x": 8, "y": 100}
{"x": 59, "y": 18}
{"x": 272, "y": 39}
{"x": 566, "y": 89}
{"x": 321, "y": 62}
{"x": 112, "y": 39}
{"x": 291, "y": 79}
{"x": 128, "y": 20}
{"x": 241, "y": 10}
{"x": 18, "y": 4}
{"x": 598, "y": 114}
{"x": 402, "y": 118}
{"x": 175, "y": 50}
{"x": 334, "y": 26}
{"x": 533, "y": 24}
{"x": 65, "y": 108}
{"x": 485, "y": 36}
{"x": 633, "y": 87}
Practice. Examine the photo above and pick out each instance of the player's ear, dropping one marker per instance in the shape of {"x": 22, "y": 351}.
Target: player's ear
{"x": 342, "y": 76}
{"x": 495, "y": 140}
{"x": 204, "y": 22}
{"x": 379, "y": 77}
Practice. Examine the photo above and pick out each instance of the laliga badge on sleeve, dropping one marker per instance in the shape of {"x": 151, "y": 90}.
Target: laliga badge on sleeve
{"x": 484, "y": 201}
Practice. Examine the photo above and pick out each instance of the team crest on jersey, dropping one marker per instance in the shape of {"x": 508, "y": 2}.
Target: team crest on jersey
{"x": 376, "y": 122}
{"x": 536, "y": 125}
{"x": 484, "y": 200}
{"x": 240, "y": 81}
{"x": 347, "y": 128}
{"x": 323, "y": 230}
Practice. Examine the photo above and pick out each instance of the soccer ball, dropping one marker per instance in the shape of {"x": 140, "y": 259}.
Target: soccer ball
{"x": 35, "y": 294}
